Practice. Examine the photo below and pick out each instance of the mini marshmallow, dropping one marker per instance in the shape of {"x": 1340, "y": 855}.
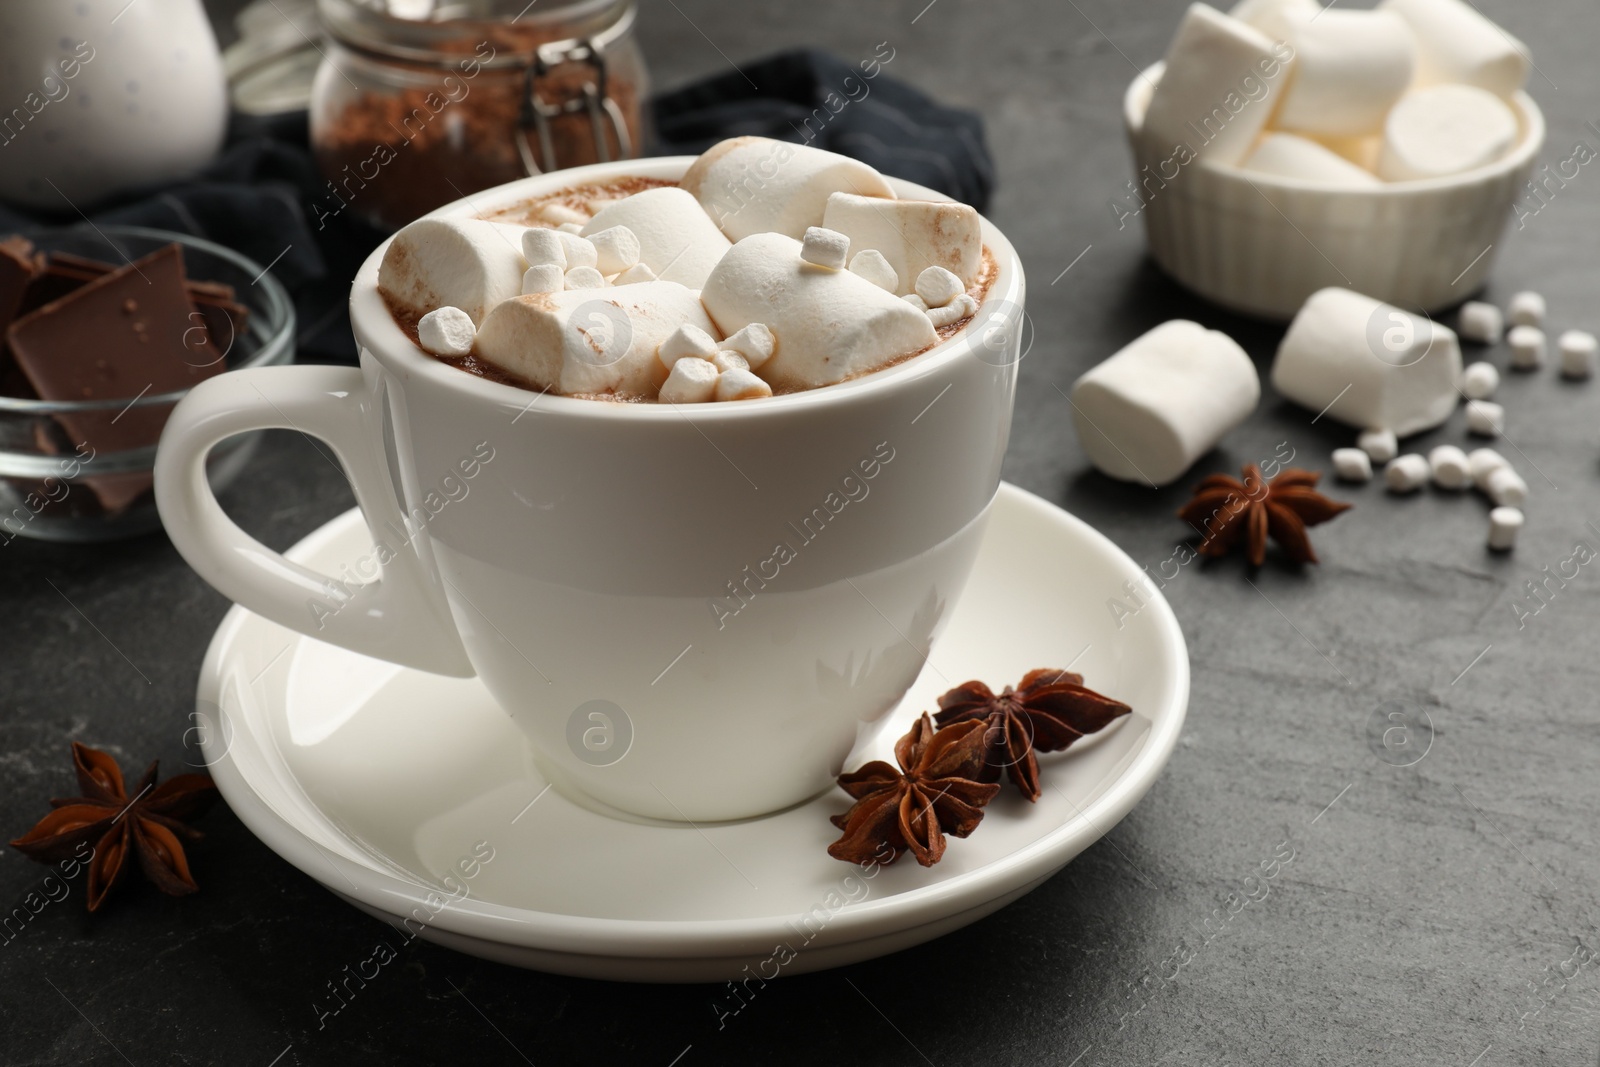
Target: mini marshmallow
{"x": 912, "y": 235}
{"x": 736, "y": 384}
{"x": 938, "y": 287}
{"x": 542, "y": 245}
{"x": 451, "y": 262}
{"x": 1526, "y": 309}
{"x": 1504, "y": 525}
{"x": 1201, "y": 100}
{"x": 1163, "y": 401}
{"x": 579, "y": 251}
{"x": 1506, "y": 487}
{"x": 1286, "y": 155}
{"x": 543, "y": 278}
{"x": 560, "y": 214}
{"x": 832, "y": 324}
{"x": 1367, "y": 363}
{"x": 915, "y": 301}
{"x": 871, "y": 265}
{"x": 1481, "y": 323}
{"x": 1578, "y": 349}
{"x": 584, "y": 278}
{"x": 1406, "y": 474}
{"x": 639, "y": 272}
{"x": 1380, "y": 445}
{"x": 1527, "y": 347}
{"x": 616, "y": 249}
{"x": 677, "y": 239}
{"x": 961, "y": 307}
{"x": 726, "y": 360}
{"x": 1479, "y": 381}
{"x": 687, "y": 342}
{"x": 1482, "y": 462}
{"x": 1457, "y": 44}
{"x": 1485, "y": 418}
{"x": 1450, "y": 467}
{"x": 1278, "y": 19}
{"x": 1352, "y": 465}
{"x": 446, "y": 331}
{"x": 1444, "y": 130}
{"x": 822, "y": 247}
{"x": 1350, "y": 68}
{"x": 754, "y": 342}
{"x": 691, "y": 381}
{"x": 752, "y": 185}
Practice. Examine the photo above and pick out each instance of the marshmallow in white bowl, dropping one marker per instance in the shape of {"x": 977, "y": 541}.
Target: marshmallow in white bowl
{"x": 912, "y": 235}
{"x": 1455, "y": 43}
{"x": 1367, "y": 363}
{"x": 691, "y": 381}
{"x": 1288, "y": 155}
{"x": 1442, "y": 130}
{"x": 752, "y": 185}
{"x": 463, "y": 263}
{"x": 1278, "y": 19}
{"x": 677, "y": 239}
{"x": 1350, "y": 68}
{"x": 1163, "y": 401}
{"x": 446, "y": 331}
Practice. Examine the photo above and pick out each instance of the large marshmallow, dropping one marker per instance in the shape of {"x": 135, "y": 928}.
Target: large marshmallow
{"x": 758, "y": 185}
{"x": 590, "y": 340}
{"x": 913, "y": 235}
{"x": 464, "y": 263}
{"x": 1350, "y": 68}
{"x": 830, "y": 324}
{"x": 1278, "y": 19}
{"x": 1444, "y": 130}
{"x": 1222, "y": 82}
{"x": 1163, "y": 401}
{"x": 1457, "y": 44}
{"x": 677, "y": 239}
{"x": 1368, "y": 364}
{"x": 1286, "y": 155}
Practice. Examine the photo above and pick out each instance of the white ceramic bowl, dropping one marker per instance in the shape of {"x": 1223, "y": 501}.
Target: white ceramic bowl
{"x": 1261, "y": 244}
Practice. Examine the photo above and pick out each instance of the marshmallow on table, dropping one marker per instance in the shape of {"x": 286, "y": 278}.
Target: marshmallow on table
{"x": 1380, "y": 445}
{"x": 1350, "y": 68}
{"x": 1505, "y": 487}
{"x": 686, "y": 342}
{"x": 1450, "y": 467}
{"x": 830, "y": 324}
{"x": 616, "y": 249}
{"x": 1482, "y": 462}
{"x": 1368, "y": 364}
{"x": 872, "y": 265}
{"x": 1407, "y": 473}
{"x": 464, "y": 263}
{"x": 1352, "y": 465}
{"x": 1578, "y": 349}
{"x": 446, "y": 331}
{"x": 1481, "y": 323}
{"x": 963, "y": 306}
{"x": 912, "y": 235}
{"x": 754, "y": 342}
{"x": 1504, "y": 525}
{"x": 677, "y": 239}
{"x": 1526, "y": 309}
{"x": 1485, "y": 418}
{"x": 1479, "y": 381}
{"x": 1457, "y": 44}
{"x": 822, "y": 247}
{"x": 1287, "y": 155}
{"x": 1278, "y": 19}
{"x": 739, "y": 384}
{"x": 1163, "y": 401}
{"x": 1527, "y": 347}
{"x": 752, "y": 185}
{"x": 543, "y": 278}
{"x": 691, "y": 381}
{"x": 1443, "y": 130}
{"x": 1221, "y": 84}
{"x": 588, "y": 341}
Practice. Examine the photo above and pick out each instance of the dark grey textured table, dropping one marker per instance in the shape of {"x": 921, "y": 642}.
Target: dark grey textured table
{"x": 1437, "y": 913}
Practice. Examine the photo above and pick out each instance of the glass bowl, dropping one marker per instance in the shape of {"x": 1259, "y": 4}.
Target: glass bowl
{"x": 54, "y": 490}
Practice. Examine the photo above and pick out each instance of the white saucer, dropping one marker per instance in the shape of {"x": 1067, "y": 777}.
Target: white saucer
{"x": 378, "y": 781}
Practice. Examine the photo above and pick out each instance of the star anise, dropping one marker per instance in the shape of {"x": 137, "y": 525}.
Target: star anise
{"x": 1047, "y": 711}
{"x": 1228, "y": 513}
{"x": 146, "y": 825}
{"x": 936, "y": 792}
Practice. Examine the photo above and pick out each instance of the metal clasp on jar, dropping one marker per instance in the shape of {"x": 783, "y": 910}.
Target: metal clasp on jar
{"x": 593, "y": 100}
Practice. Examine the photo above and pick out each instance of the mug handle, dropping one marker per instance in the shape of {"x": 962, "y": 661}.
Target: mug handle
{"x": 401, "y": 617}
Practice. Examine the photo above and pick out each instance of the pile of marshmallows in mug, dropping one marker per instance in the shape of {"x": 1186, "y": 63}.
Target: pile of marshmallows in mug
{"x": 769, "y": 266}
{"x": 1413, "y": 89}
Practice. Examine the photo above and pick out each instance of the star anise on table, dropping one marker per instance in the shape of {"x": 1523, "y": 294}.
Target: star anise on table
{"x": 936, "y": 791}
{"x": 147, "y": 825}
{"x": 1047, "y": 711}
{"x": 1229, "y": 513}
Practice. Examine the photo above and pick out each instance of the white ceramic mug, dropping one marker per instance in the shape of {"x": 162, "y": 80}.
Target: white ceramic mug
{"x": 693, "y": 612}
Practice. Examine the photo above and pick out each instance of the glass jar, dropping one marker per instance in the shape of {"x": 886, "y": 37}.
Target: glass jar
{"x": 421, "y": 102}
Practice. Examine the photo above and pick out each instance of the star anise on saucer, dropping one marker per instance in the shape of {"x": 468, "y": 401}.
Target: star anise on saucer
{"x": 1229, "y": 513}
{"x": 1047, "y": 711}
{"x": 936, "y": 791}
{"x": 147, "y": 825}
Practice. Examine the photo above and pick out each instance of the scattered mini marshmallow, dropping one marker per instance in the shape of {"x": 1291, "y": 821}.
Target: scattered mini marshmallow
{"x": 1482, "y": 462}
{"x": 1163, "y": 401}
{"x": 915, "y": 301}
{"x": 542, "y": 245}
{"x": 1504, "y": 525}
{"x": 751, "y": 185}
{"x": 616, "y": 249}
{"x": 1578, "y": 349}
{"x": 543, "y": 278}
{"x": 1526, "y": 309}
{"x": 1407, "y": 473}
{"x": 1485, "y": 418}
{"x": 737, "y": 384}
{"x": 1480, "y": 323}
{"x": 1209, "y": 58}
{"x": 1527, "y": 347}
{"x": 1367, "y": 363}
{"x": 446, "y": 331}
{"x": 570, "y": 227}
{"x": 874, "y": 267}
{"x": 639, "y": 272}
{"x": 912, "y": 235}
{"x": 1506, "y": 487}
{"x": 1480, "y": 380}
{"x": 1352, "y": 465}
{"x": 754, "y": 342}
{"x": 726, "y": 359}
{"x": 561, "y": 214}
{"x": 451, "y": 262}
{"x": 584, "y": 278}
{"x": 687, "y": 342}
{"x": 1450, "y": 467}
{"x": 1288, "y": 155}
{"x": 822, "y": 247}
{"x": 938, "y": 286}
{"x": 1457, "y": 44}
{"x": 1443, "y": 130}
{"x": 691, "y": 381}
{"x": 1380, "y": 445}
{"x": 579, "y": 251}
{"x": 677, "y": 239}
{"x": 1350, "y": 68}
{"x": 963, "y": 306}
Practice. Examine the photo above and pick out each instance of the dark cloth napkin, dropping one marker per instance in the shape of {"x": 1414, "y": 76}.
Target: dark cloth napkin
{"x": 257, "y": 196}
